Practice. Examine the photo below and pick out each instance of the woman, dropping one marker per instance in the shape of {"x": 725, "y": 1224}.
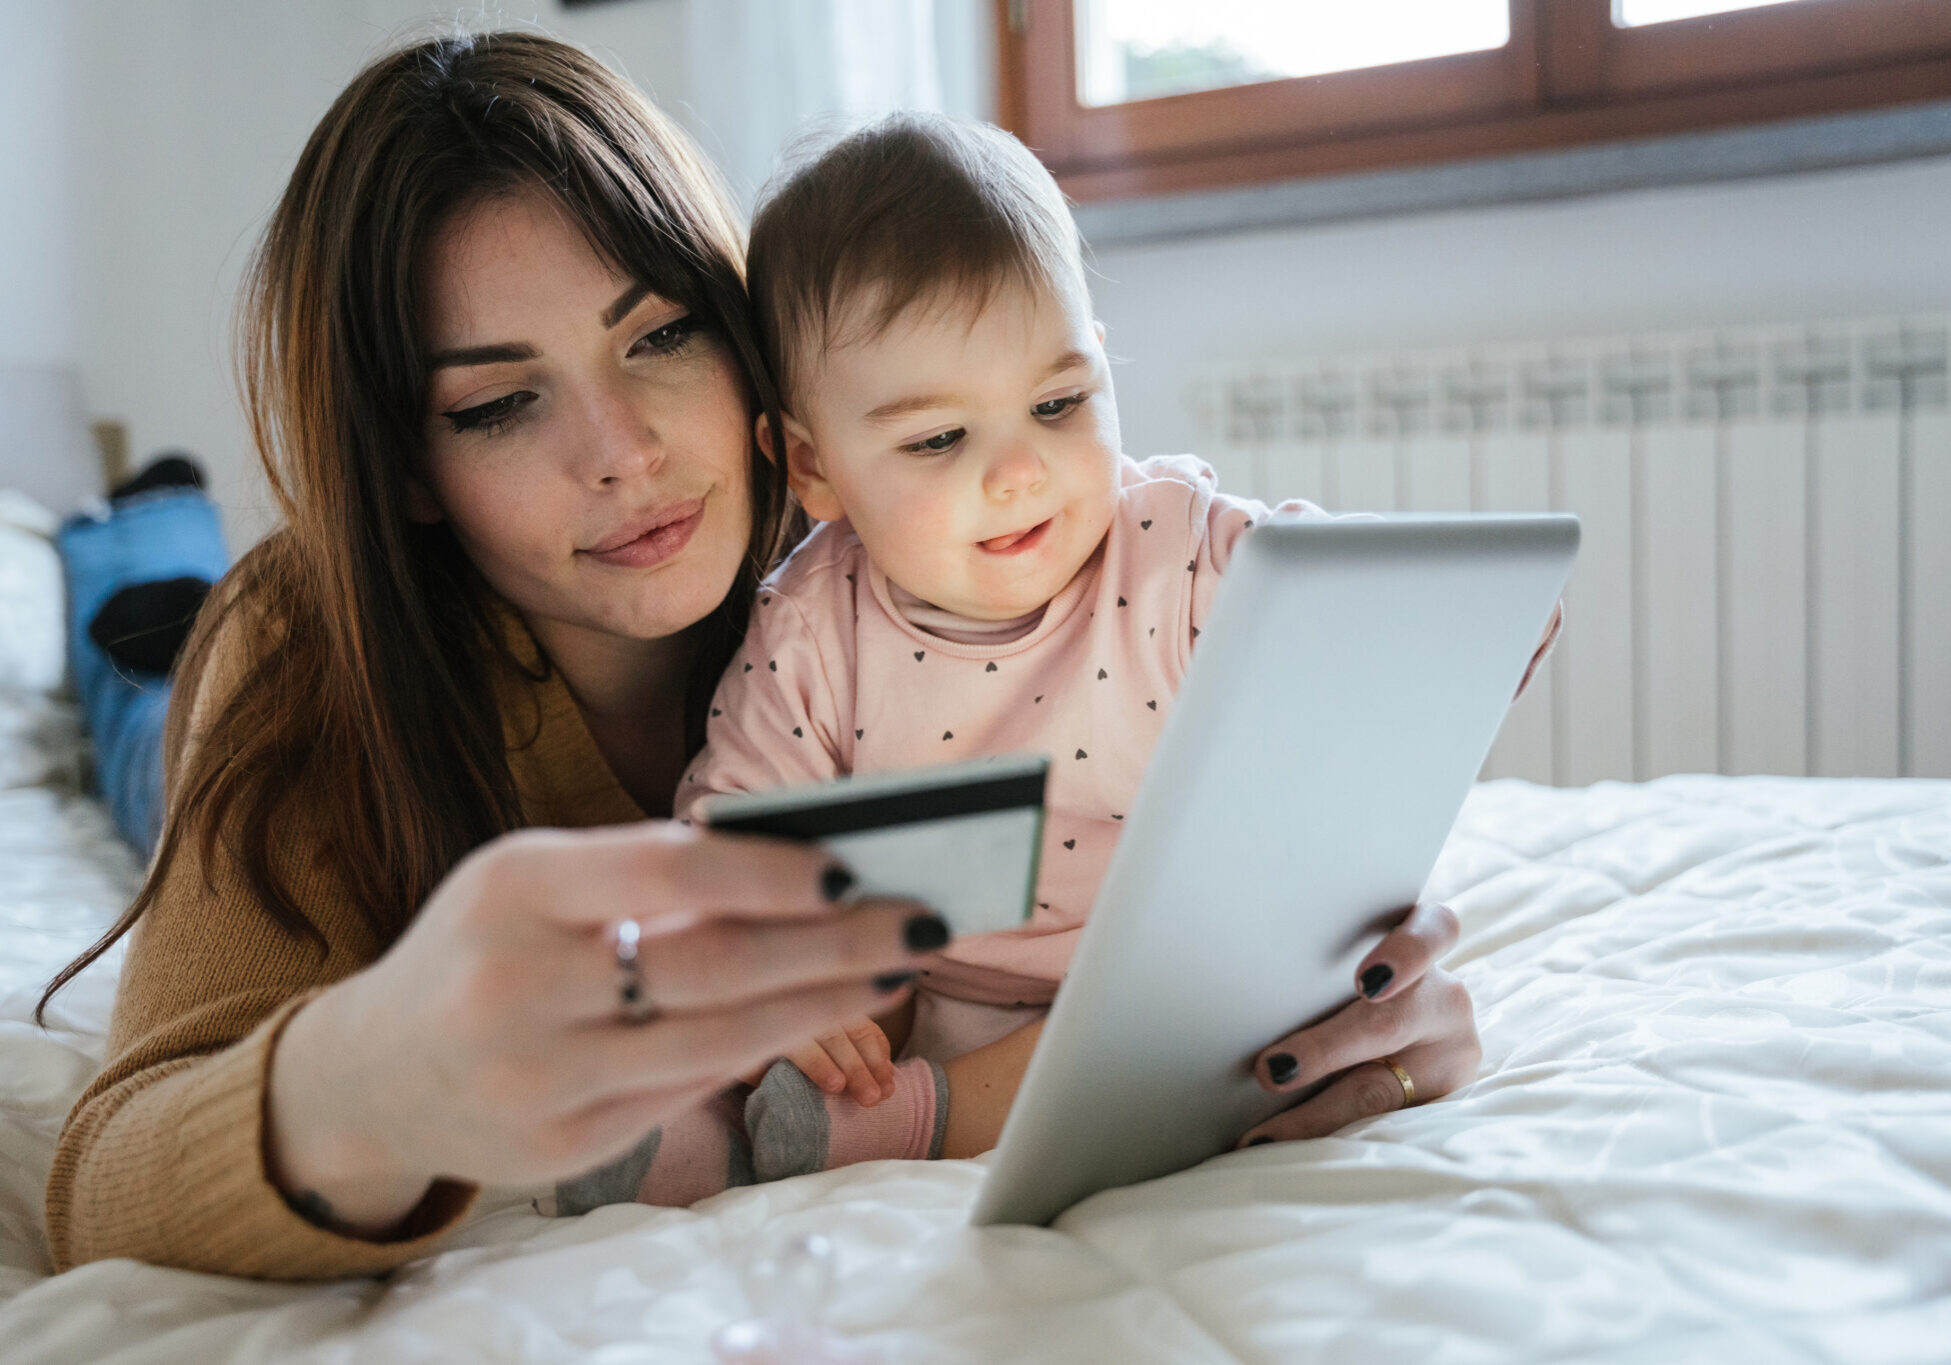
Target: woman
{"x": 498, "y": 358}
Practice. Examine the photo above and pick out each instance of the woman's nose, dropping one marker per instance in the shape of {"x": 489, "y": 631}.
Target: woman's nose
{"x": 1017, "y": 468}
{"x": 625, "y": 441}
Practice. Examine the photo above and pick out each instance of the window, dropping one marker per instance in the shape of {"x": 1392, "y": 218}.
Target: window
{"x": 1130, "y": 97}
{"x": 1633, "y": 13}
{"x": 1145, "y": 49}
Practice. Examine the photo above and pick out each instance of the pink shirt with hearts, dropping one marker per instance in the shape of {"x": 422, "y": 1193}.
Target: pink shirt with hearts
{"x": 843, "y": 672}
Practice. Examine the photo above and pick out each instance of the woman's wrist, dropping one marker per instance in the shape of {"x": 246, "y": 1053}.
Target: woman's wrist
{"x": 322, "y": 1150}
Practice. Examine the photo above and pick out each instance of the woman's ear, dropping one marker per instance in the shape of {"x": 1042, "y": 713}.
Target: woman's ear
{"x": 803, "y": 468}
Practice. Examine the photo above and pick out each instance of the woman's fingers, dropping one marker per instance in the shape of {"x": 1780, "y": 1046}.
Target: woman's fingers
{"x": 1363, "y": 1092}
{"x": 1435, "y": 1008}
{"x": 1407, "y": 951}
{"x": 663, "y": 872}
{"x": 1433, "y": 1069}
{"x": 521, "y": 1062}
{"x": 1429, "y": 1031}
{"x": 721, "y": 962}
{"x": 1356, "y": 1033}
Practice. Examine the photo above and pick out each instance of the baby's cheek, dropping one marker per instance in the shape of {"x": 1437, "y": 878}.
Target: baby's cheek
{"x": 923, "y": 533}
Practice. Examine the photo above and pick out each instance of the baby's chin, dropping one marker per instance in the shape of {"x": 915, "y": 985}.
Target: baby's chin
{"x": 1005, "y": 601}
{"x": 1007, "y": 604}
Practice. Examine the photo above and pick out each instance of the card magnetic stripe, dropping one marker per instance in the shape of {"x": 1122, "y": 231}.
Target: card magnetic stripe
{"x": 974, "y": 797}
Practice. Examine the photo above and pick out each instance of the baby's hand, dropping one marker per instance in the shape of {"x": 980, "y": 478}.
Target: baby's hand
{"x": 1552, "y": 627}
{"x": 854, "y": 1059}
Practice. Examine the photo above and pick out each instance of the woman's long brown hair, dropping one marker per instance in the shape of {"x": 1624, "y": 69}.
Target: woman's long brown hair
{"x": 369, "y": 645}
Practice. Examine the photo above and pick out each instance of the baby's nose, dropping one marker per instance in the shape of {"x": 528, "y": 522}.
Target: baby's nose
{"x": 1018, "y": 469}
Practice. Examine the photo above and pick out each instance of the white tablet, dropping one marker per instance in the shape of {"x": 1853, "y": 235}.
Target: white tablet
{"x": 1340, "y": 702}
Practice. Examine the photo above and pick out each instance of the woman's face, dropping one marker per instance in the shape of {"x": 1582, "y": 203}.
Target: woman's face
{"x": 586, "y": 439}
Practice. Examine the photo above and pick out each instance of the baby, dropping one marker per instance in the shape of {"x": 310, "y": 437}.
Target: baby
{"x": 991, "y": 575}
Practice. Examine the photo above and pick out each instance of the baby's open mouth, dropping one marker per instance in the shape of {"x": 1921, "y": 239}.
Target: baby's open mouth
{"x": 1015, "y": 540}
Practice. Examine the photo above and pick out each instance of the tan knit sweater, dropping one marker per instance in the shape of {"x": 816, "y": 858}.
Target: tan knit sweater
{"x": 162, "y": 1159}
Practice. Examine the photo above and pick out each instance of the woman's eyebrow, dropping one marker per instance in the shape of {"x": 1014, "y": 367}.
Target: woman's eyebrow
{"x": 483, "y": 355}
{"x": 625, "y": 301}
{"x": 502, "y": 352}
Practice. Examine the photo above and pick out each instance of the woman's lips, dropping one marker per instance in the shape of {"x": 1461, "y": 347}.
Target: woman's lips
{"x": 662, "y": 535}
{"x": 1016, "y": 542}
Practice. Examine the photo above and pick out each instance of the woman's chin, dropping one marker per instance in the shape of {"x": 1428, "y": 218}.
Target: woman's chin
{"x": 675, "y": 601}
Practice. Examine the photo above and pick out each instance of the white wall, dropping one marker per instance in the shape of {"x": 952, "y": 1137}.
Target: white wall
{"x": 1839, "y": 244}
{"x": 37, "y": 275}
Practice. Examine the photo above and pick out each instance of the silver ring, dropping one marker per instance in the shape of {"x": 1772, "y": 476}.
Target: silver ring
{"x": 631, "y": 1000}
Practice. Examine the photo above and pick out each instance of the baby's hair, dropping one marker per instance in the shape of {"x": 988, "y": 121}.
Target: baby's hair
{"x": 913, "y": 208}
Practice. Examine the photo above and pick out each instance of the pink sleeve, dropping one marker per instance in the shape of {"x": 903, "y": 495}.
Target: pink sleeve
{"x": 1227, "y": 520}
{"x": 774, "y": 720}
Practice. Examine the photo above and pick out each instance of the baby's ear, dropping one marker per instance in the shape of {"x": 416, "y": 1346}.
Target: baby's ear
{"x": 804, "y": 470}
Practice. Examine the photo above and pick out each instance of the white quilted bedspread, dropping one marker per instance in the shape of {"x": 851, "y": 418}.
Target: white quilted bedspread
{"x": 1713, "y": 1123}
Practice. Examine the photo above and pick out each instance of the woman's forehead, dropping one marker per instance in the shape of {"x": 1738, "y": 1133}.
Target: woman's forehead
{"x": 516, "y": 260}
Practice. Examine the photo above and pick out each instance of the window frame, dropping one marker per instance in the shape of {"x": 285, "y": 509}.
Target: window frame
{"x": 1568, "y": 77}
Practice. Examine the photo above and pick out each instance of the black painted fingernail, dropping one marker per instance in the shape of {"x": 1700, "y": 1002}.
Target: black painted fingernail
{"x": 1282, "y": 1068}
{"x": 887, "y": 983}
{"x": 925, "y": 933}
{"x": 835, "y": 882}
{"x": 1376, "y": 979}
{"x": 1258, "y": 1141}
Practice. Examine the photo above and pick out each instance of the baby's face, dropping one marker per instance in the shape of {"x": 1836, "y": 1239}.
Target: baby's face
{"x": 976, "y": 455}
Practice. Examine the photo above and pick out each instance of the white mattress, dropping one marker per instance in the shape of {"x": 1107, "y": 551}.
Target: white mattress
{"x": 1713, "y": 1123}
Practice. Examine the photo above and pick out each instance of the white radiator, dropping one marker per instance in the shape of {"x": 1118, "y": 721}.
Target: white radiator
{"x": 1765, "y": 580}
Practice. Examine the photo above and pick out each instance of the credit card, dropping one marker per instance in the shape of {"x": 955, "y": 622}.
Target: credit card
{"x": 961, "y": 838}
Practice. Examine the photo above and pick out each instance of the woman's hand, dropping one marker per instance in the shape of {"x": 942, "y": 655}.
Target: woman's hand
{"x": 1412, "y": 1014}
{"x": 489, "y": 1044}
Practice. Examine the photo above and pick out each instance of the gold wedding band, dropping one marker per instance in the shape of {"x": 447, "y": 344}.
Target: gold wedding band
{"x": 1402, "y": 1079}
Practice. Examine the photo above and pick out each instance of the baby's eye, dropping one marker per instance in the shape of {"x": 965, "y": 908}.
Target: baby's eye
{"x": 939, "y": 442}
{"x": 1057, "y": 407}
{"x": 491, "y": 416}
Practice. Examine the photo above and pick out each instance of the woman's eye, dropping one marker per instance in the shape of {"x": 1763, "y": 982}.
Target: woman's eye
{"x": 1057, "y": 407}
{"x": 671, "y": 338}
{"x": 491, "y": 416}
{"x": 936, "y": 444}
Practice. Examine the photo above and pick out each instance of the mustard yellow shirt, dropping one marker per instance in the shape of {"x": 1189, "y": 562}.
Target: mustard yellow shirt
{"x": 162, "y": 1158}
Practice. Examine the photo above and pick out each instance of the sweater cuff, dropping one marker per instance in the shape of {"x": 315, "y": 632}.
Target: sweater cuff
{"x": 233, "y": 1218}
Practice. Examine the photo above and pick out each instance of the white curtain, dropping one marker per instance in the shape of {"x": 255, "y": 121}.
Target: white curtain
{"x": 764, "y": 71}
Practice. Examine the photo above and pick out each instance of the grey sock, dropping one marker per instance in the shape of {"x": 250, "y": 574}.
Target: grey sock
{"x": 619, "y": 1182}
{"x": 616, "y": 1183}
{"x": 786, "y": 1120}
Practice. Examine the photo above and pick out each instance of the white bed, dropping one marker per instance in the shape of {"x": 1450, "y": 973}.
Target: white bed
{"x": 1713, "y": 1123}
